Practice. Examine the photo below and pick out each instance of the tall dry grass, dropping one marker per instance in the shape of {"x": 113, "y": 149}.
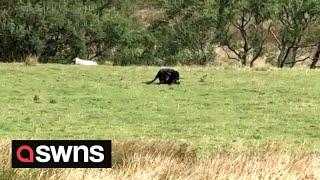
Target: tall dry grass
{"x": 172, "y": 160}
{"x": 31, "y": 60}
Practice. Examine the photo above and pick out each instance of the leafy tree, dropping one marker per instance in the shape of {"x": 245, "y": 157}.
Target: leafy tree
{"x": 186, "y": 29}
{"x": 291, "y": 20}
{"x": 241, "y": 28}
{"x": 20, "y": 28}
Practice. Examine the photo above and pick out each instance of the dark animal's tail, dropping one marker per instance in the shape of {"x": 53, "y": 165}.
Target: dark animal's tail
{"x": 149, "y": 82}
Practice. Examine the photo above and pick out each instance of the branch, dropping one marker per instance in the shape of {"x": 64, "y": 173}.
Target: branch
{"x": 234, "y": 51}
{"x": 301, "y": 60}
{"x": 95, "y": 56}
{"x": 305, "y": 46}
{"x": 232, "y": 58}
{"x": 236, "y": 25}
{"x": 247, "y": 22}
{"x": 257, "y": 55}
{"x": 275, "y": 37}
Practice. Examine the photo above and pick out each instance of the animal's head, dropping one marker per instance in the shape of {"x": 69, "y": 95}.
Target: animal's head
{"x": 74, "y": 60}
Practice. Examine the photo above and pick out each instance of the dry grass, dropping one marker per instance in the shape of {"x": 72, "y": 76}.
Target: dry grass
{"x": 147, "y": 14}
{"x": 172, "y": 160}
{"x": 31, "y": 60}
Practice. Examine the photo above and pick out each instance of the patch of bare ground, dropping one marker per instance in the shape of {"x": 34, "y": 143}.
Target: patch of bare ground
{"x": 147, "y": 14}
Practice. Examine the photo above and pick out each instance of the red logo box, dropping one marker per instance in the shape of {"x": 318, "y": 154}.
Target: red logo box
{"x": 61, "y": 154}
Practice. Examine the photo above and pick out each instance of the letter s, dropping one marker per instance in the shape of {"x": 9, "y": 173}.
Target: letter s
{"x": 29, "y": 159}
{"x": 41, "y": 151}
{"x": 96, "y": 153}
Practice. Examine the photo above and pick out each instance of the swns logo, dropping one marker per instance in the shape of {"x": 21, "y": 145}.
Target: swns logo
{"x": 61, "y": 154}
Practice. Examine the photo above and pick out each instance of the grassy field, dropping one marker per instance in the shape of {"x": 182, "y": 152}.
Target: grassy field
{"x": 219, "y": 123}
{"x": 230, "y": 108}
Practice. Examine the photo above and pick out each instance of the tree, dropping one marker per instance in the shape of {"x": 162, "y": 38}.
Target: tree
{"x": 185, "y": 33}
{"x": 181, "y": 31}
{"x": 57, "y": 31}
{"x": 19, "y": 30}
{"x": 291, "y": 19}
{"x": 241, "y": 28}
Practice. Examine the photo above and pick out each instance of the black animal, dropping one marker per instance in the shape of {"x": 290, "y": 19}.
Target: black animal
{"x": 166, "y": 76}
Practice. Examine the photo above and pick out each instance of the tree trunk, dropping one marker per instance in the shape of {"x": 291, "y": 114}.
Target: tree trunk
{"x": 244, "y": 60}
{"x": 246, "y": 48}
{"x": 252, "y": 62}
{"x": 294, "y": 56}
{"x": 255, "y": 57}
{"x": 280, "y": 57}
{"x": 283, "y": 56}
{"x": 315, "y": 57}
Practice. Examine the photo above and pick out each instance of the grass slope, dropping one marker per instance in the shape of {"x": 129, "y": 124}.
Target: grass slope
{"x": 230, "y": 108}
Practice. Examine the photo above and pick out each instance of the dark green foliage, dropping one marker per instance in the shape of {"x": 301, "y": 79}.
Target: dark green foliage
{"x": 185, "y": 32}
{"x": 181, "y": 32}
{"x": 240, "y": 28}
{"x": 292, "y": 19}
{"x": 58, "y": 31}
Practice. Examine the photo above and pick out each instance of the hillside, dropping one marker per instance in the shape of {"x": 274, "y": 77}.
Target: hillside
{"x": 226, "y": 109}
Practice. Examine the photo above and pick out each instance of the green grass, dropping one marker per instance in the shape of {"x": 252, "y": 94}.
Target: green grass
{"x": 231, "y": 108}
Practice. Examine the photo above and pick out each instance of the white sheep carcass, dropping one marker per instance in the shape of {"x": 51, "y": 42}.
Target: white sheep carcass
{"x": 79, "y": 61}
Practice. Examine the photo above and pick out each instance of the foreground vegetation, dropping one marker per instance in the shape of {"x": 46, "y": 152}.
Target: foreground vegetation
{"x": 173, "y": 160}
{"x": 212, "y": 109}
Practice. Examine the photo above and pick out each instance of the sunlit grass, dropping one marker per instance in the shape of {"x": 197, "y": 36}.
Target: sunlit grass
{"x": 227, "y": 109}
